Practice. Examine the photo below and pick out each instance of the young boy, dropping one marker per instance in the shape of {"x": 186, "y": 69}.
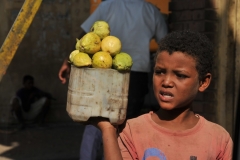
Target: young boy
{"x": 182, "y": 68}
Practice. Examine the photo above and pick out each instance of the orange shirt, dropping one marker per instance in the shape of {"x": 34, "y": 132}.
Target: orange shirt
{"x": 143, "y": 139}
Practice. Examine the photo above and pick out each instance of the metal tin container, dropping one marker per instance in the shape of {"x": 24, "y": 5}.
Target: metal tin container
{"x": 96, "y": 92}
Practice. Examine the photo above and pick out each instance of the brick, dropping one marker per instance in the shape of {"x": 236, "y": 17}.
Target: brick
{"x": 198, "y": 14}
{"x": 189, "y": 25}
{"x": 197, "y": 4}
{"x": 201, "y": 26}
{"x": 180, "y": 16}
{"x": 190, "y": 4}
{"x": 187, "y": 5}
{"x": 196, "y": 26}
{"x": 176, "y": 6}
{"x": 176, "y": 26}
{"x": 204, "y": 15}
{"x": 187, "y": 15}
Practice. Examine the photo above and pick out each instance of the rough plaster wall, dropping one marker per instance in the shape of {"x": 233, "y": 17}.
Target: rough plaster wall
{"x": 227, "y": 62}
{"x": 50, "y": 38}
{"x": 4, "y": 26}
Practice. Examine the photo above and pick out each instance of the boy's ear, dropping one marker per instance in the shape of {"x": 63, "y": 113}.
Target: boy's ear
{"x": 205, "y": 82}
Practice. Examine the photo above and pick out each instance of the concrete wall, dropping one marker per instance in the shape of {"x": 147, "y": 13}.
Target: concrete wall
{"x": 50, "y": 38}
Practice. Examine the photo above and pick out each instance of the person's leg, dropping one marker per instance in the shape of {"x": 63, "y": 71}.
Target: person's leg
{"x": 39, "y": 110}
{"x": 91, "y": 143}
{"x": 138, "y": 88}
{"x": 44, "y": 111}
{"x": 17, "y": 111}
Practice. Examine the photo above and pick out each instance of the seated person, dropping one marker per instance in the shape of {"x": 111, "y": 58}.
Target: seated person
{"x": 30, "y": 103}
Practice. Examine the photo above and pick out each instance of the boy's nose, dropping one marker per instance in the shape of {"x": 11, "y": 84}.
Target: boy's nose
{"x": 167, "y": 82}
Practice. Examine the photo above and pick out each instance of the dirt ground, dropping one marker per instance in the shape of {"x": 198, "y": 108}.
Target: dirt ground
{"x": 57, "y": 141}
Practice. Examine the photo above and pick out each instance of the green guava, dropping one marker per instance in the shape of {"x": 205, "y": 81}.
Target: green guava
{"x": 122, "y": 62}
{"x": 101, "y": 28}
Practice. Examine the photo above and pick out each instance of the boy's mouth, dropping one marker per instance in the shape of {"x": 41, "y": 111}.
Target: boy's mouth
{"x": 166, "y": 95}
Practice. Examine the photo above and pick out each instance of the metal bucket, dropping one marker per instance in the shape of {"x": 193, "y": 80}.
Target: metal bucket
{"x": 96, "y": 92}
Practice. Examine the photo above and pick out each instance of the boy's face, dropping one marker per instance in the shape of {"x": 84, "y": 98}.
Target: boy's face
{"x": 175, "y": 80}
{"x": 28, "y": 84}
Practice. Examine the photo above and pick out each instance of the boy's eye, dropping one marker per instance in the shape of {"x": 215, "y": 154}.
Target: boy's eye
{"x": 181, "y": 76}
{"x": 157, "y": 71}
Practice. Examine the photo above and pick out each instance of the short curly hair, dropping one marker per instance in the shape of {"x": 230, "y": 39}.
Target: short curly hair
{"x": 194, "y": 44}
{"x": 26, "y": 78}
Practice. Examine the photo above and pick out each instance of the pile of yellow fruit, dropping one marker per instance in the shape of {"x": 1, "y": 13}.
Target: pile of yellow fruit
{"x": 99, "y": 49}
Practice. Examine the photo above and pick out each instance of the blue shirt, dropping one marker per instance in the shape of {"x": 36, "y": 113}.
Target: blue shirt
{"x": 135, "y": 23}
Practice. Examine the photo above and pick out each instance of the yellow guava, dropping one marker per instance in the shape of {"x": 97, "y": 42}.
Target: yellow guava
{"x": 122, "y": 62}
{"x": 101, "y": 28}
{"x": 77, "y": 46}
{"x": 102, "y": 59}
{"x": 82, "y": 60}
{"x": 90, "y": 43}
{"x": 111, "y": 44}
{"x": 72, "y": 54}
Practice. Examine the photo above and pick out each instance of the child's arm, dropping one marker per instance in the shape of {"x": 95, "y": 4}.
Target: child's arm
{"x": 110, "y": 144}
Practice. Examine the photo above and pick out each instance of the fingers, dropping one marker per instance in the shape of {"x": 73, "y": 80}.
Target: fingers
{"x": 62, "y": 79}
{"x": 64, "y": 73}
{"x": 96, "y": 120}
{"x": 100, "y": 122}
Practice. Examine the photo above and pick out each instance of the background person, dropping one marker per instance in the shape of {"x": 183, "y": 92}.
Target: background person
{"x": 135, "y": 23}
{"x": 30, "y": 103}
